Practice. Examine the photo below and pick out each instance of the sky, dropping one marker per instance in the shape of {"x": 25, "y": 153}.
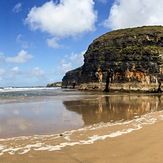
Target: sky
{"x": 41, "y": 40}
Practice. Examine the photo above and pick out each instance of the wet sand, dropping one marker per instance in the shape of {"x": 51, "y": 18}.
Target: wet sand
{"x": 136, "y": 141}
{"x": 117, "y": 129}
{"x": 143, "y": 146}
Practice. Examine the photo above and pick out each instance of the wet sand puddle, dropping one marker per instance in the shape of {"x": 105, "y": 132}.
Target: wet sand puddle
{"x": 86, "y": 135}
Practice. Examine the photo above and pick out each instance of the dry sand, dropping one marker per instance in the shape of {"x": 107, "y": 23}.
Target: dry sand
{"x": 139, "y": 146}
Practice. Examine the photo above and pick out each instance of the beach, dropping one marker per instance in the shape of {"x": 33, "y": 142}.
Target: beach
{"x": 144, "y": 145}
{"x": 95, "y": 127}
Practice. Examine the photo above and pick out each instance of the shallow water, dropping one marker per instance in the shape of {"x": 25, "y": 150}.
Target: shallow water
{"x": 29, "y": 112}
{"x": 35, "y": 120}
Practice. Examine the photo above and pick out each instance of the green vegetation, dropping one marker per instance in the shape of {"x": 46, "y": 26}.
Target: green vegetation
{"x": 141, "y": 48}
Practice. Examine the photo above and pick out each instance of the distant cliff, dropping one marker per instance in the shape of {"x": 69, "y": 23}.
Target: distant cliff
{"x": 55, "y": 84}
{"x": 126, "y": 59}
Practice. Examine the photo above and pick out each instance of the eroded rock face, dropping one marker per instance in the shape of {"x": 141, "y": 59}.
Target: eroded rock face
{"x": 72, "y": 77}
{"x": 132, "y": 55}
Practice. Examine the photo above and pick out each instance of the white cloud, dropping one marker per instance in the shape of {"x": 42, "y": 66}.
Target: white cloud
{"x": 22, "y": 57}
{"x": 67, "y": 18}
{"x": 2, "y": 71}
{"x": 70, "y": 62}
{"x": 36, "y": 72}
{"x": 134, "y": 13}
{"x": 17, "y": 8}
{"x": 64, "y": 67}
{"x": 13, "y": 73}
{"x": 77, "y": 59}
{"x": 53, "y": 42}
{"x": 15, "y": 70}
{"x": 20, "y": 40}
{"x": 2, "y": 57}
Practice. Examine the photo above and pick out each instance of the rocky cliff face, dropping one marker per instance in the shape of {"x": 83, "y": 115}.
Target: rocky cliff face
{"x": 127, "y": 56}
{"x": 72, "y": 77}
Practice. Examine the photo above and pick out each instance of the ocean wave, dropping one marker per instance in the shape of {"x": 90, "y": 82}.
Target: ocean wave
{"x": 16, "y": 89}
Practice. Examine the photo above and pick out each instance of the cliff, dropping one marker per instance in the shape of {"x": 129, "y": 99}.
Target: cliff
{"x": 126, "y": 59}
{"x": 55, "y": 84}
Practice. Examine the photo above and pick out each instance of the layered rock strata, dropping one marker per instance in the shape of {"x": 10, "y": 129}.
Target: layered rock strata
{"x": 126, "y": 59}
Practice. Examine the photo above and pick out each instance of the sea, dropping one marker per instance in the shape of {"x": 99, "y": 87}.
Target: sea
{"x": 43, "y": 113}
{"x": 36, "y": 110}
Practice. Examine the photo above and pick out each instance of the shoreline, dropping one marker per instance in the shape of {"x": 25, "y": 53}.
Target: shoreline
{"x": 139, "y": 140}
{"x": 132, "y": 130}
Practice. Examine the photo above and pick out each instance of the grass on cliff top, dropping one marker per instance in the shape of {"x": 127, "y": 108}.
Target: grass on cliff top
{"x": 133, "y": 31}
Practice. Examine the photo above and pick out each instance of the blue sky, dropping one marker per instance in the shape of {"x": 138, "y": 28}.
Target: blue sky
{"x": 41, "y": 40}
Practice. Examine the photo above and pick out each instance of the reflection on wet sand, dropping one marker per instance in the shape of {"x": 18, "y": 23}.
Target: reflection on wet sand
{"x": 114, "y": 108}
{"x": 92, "y": 109}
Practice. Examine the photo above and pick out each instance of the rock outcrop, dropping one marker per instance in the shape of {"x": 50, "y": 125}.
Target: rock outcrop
{"x": 72, "y": 77}
{"x": 126, "y": 59}
{"x": 55, "y": 84}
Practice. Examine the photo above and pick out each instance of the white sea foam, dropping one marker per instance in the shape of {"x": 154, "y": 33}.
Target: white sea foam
{"x": 27, "y": 148}
{"x": 42, "y": 142}
{"x": 15, "y": 89}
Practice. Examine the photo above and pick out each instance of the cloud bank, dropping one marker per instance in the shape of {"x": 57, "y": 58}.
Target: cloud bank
{"x": 67, "y": 18}
{"x": 22, "y": 57}
{"x": 134, "y": 13}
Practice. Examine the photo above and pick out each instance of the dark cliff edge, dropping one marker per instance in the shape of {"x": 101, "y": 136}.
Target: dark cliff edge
{"x": 122, "y": 60}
